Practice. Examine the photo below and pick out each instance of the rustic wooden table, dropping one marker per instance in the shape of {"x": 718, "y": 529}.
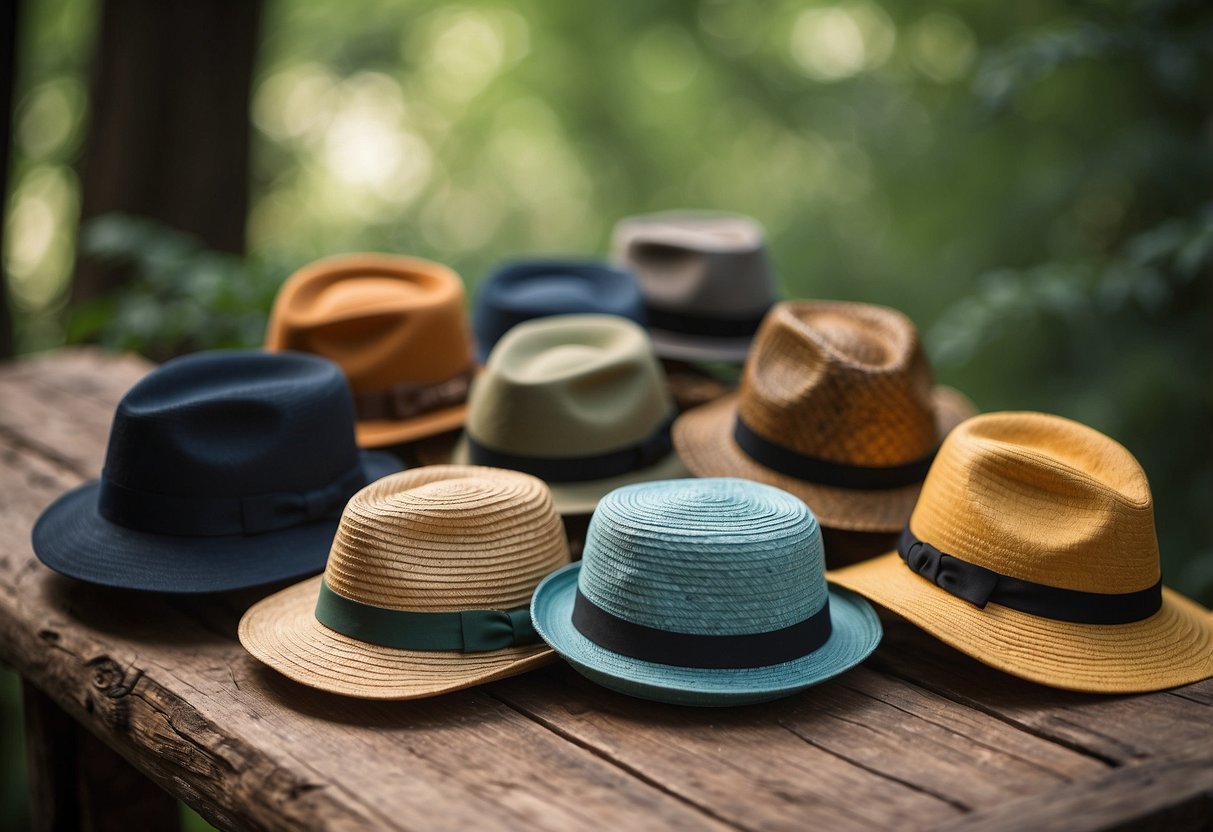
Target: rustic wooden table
{"x": 918, "y": 737}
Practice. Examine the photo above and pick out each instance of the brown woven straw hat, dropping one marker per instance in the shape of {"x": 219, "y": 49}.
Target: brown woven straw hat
{"x": 427, "y": 588}
{"x": 838, "y": 406}
{"x": 396, "y": 326}
{"x": 1032, "y": 549}
{"x": 577, "y": 400}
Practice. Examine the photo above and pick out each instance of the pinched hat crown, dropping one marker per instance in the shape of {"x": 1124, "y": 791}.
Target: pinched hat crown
{"x": 384, "y": 319}
{"x": 1043, "y": 499}
{"x": 447, "y": 538}
{"x": 569, "y": 387}
{"x": 842, "y": 382}
{"x": 698, "y": 264}
{"x": 231, "y": 442}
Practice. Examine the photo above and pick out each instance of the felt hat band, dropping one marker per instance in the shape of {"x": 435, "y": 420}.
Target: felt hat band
{"x": 191, "y": 516}
{"x": 824, "y": 472}
{"x": 719, "y": 327}
{"x": 696, "y": 650}
{"x": 469, "y": 631}
{"x": 980, "y": 586}
{"x": 649, "y": 451}
{"x": 405, "y": 401}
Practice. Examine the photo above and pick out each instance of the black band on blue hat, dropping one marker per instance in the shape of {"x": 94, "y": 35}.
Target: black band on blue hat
{"x": 980, "y": 586}
{"x": 220, "y": 516}
{"x": 649, "y": 451}
{"x": 824, "y": 472}
{"x": 710, "y": 326}
{"x": 650, "y": 644}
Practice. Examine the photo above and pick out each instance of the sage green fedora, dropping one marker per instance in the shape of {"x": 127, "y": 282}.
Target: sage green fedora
{"x": 579, "y": 401}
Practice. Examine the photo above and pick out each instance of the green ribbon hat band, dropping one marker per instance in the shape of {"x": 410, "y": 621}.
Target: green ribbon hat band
{"x": 470, "y": 631}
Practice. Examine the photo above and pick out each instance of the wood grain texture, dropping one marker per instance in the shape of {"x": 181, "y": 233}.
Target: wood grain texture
{"x": 78, "y": 782}
{"x": 920, "y": 737}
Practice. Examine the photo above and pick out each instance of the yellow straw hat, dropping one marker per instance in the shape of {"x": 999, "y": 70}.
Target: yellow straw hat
{"x": 427, "y": 588}
{"x": 838, "y": 406}
{"x": 1032, "y": 549}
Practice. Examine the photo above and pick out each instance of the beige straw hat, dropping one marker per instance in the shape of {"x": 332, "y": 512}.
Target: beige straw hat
{"x": 837, "y": 405}
{"x": 1032, "y": 549}
{"x": 427, "y": 588}
{"x": 577, "y": 400}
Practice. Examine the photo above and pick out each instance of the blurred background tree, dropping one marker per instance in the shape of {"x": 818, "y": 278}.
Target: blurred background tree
{"x": 1029, "y": 181}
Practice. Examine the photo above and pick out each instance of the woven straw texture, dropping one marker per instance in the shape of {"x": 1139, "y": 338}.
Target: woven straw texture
{"x": 1045, "y": 499}
{"x": 710, "y": 557}
{"x": 436, "y": 539}
{"x": 572, "y": 386}
{"x": 386, "y": 321}
{"x": 843, "y": 382}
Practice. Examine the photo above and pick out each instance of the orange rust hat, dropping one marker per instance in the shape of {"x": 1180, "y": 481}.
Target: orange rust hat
{"x": 397, "y": 328}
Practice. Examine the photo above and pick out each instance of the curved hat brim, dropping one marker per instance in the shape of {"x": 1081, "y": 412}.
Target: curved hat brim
{"x": 1170, "y": 648}
{"x": 700, "y": 348}
{"x": 704, "y": 438}
{"x": 282, "y": 632}
{"x": 856, "y": 633}
{"x": 582, "y": 497}
{"x": 383, "y": 433}
{"x": 74, "y": 540}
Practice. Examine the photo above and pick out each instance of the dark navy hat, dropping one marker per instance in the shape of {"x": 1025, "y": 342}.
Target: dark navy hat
{"x": 224, "y": 470}
{"x": 523, "y": 290}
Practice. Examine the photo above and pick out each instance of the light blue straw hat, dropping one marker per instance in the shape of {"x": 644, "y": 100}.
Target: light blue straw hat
{"x": 703, "y": 592}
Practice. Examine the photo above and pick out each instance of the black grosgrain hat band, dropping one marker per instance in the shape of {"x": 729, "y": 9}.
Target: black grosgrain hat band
{"x": 649, "y": 451}
{"x": 825, "y": 472}
{"x": 980, "y": 586}
{"x": 221, "y": 516}
{"x": 717, "y": 327}
{"x": 749, "y": 650}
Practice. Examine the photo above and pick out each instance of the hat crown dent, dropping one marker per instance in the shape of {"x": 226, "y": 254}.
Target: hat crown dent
{"x": 233, "y": 424}
{"x": 569, "y": 386}
{"x": 844, "y": 382}
{"x": 447, "y": 538}
{"x": 698, "y": 263}
{"x": 713, "y": 556}
{"x": 1044, "y": 499}
{"x": 386, "y": 320}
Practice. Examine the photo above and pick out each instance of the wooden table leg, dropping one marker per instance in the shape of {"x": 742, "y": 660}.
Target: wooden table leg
{"x": 78, "y": 782}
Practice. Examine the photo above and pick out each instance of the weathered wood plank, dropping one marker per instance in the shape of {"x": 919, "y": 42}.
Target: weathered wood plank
{"x": 1117, "y": 729}
{"x": 925, "y": 756}
{"x": 1172, "y": 792}
{"x": 923, "y": 737}
{"x": 164, "y": 681}
{"x": 746, "y": 763}
{"x": 78, "y": 782}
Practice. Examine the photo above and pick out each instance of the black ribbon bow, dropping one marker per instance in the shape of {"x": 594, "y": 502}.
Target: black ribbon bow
{"x": 980, "y": 586}
{"x": 969, "y": 581}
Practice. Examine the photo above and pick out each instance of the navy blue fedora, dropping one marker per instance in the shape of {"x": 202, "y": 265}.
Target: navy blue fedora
{"x": 224, "y": 470}
{"x": 522, "y": 290}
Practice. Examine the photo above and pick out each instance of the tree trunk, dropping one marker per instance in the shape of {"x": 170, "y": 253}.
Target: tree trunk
{"x": 168, "y": 133}
{"x": 8, "y": 79}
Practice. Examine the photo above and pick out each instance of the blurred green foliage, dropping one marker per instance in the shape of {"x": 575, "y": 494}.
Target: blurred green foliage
{"x": 1029, "y": 181}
